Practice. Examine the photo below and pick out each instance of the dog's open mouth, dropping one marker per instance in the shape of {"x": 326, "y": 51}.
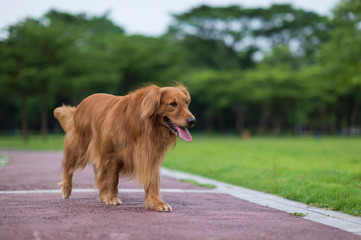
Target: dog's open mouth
{"x": 181, "y": 132}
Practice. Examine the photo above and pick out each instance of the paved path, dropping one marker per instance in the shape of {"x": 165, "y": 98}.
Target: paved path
{"x": 31, "y": 207}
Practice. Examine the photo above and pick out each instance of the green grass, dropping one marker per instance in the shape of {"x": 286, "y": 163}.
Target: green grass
{"x": 195, "y": 183}
{"x": 298, "y": 214}
{"x": 323, "y": 173}
{"x": 54, "y": 142}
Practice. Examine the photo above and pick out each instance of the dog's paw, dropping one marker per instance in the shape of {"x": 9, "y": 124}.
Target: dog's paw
{"x": 111, "y": 201}
{"x": 65, "y": 190}
{"x": 163, "y": 207}
{"x": 66, "y": 196}
{"x": 159, "y": 207}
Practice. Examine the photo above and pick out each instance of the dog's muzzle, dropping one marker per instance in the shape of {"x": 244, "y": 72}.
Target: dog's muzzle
{"x": 191, "y": 122}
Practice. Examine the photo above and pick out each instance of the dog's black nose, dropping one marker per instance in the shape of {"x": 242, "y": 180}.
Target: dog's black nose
{"x": 191, "y": 122}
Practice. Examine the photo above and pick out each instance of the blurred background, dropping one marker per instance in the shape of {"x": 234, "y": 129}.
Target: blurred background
{"x": 252, "y": 67}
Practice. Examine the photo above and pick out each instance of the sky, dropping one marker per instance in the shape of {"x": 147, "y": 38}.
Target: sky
{"x": 146, "y": 17}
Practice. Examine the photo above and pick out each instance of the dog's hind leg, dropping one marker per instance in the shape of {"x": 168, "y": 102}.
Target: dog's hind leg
{"x": 66, "y": 184}
{"x": 69, "y": 165}
{"x": 67, "y": 176}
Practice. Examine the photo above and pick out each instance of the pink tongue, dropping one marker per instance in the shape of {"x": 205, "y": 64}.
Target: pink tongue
{"x": 184, "y": 134}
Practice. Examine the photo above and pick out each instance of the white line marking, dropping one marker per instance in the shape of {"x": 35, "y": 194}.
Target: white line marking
{"x": 331, "y": 218}
{"x": 123, "y": 190}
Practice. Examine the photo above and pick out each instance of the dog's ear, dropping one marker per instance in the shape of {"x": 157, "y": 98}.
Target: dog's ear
{"x": 150, "y": 102}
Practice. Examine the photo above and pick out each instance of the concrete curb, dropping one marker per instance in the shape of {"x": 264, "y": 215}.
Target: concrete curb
{"x": 331, "y": 218}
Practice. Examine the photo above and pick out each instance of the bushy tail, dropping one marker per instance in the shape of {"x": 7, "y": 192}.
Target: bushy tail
{"x": 65, "y": 116}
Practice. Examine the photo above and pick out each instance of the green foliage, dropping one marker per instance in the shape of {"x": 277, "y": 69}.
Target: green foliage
{"x": 322, "y": 173}
{"x": 281, "y": 24}
{"x": 279, "y": 69}
{"x": 139, "y": 60}
{"x": 340, "y": 56}
{"x": 341, "y": 62}
{"x": 32, "y": 56}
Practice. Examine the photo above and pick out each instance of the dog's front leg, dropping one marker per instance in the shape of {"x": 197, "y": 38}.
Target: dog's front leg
{"x": 107, "y": 182}
{"x": 153, "y": 200}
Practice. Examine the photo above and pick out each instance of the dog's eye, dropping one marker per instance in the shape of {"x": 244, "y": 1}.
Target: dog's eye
{"x": 174, "y": 104}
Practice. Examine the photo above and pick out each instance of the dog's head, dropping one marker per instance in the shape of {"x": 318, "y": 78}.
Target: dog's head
{"x": 169, "y": 107}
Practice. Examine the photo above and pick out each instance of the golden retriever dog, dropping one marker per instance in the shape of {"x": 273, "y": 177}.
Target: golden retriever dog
{"x": 124, "y": 136}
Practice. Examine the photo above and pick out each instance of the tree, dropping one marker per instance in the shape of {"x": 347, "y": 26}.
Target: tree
{"x": 33, "y": 61}
{"x": 18, "y": 72}
{"x": 279, "y": 67}
{"x": 340, "y": 58}
{"x": 139, "y": 60}
{"x": 91, "y": 67}
{"x": 251, "y": 29}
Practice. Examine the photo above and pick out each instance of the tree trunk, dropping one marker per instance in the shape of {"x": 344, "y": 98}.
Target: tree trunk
{"x": 279, "y": 122}
{"x": 324, "y": 120}
{"x": 277, "y": 126}
{"x": 24, "y": 117}
{"x": 44, "y": 116}
{"x": 209, "y": 124}
{"x": 297, "y": 124}
{"x": 239, "y": 111}
{"x": 348, "y": 116}
{"x": 264, "y": 118}
{"x": 354, "y": 113}
{"x": 221, "y": 124}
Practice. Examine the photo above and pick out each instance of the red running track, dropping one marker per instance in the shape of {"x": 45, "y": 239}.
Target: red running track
{"x": 198, "y": 215}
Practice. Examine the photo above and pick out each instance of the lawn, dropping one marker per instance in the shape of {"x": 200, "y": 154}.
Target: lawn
{"x": 54, "y": 142}
{"x": 320, "y": 172}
